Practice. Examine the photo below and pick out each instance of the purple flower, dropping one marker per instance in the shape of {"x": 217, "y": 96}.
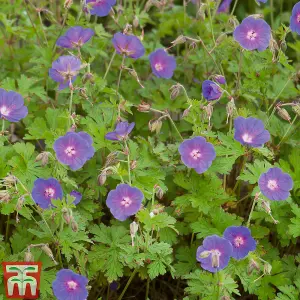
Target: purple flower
{"x": 224, "y": 6}
{"x": 253, "y": 34}
{"x": 263, "y": 1}
{"x": 77, "y": 195}
{"x": 101, "y": 8}
{"x": 70, "y": 286}
{"x": 275, "y": 185}
{"x": 250, "y": 132}
{"x": 241, "y": 240}
{"x": 124, "y": 201}
{"x": 295, "y": 18}
{"x": 211, "y": 91}
{"x": 65, "y": 70}
{"x": 220, "y": 79}
{"x": 214, "y": 254}
{"x": 12, "y": 106}
{"x": 162, "y": 64}
{"x": 121, "y": 132}
{"x": 196, "y": 153}
{"x": 44, "y": 190}
{"x": 74, "y": 149}
{"x": 75, "y": 37}
{"x": 128, "y": 45}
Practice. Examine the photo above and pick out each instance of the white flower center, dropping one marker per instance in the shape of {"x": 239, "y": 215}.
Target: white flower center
{"x": 126, "y": 201}
{"x": 158, "y": 67}
{"x": 72, "y": 285}
{"x": 298, "y": 18}
{"x": 195, "y": 154}
{"x": 272, "y": 185}
{"x": 238, "y": 241}
{"x": 247, "y": 138}
{"x": 4, "y": 111}
{"x": 251, "y": 35}
{"x": 70, "y": 151}
{"x": 49, "y": 192}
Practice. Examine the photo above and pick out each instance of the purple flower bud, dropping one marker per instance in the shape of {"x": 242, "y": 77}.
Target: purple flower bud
{"x": 250, "y": 132}
{"x": 74, "y": 149}
{"x": 12, "y": 106}
{"x": 211, "y": 91}
{"x": 241, "y": 240}
{"x": 128, "y": 45}
{"x": 162, "y": 64}
{"x": 77, "y": 195}
{"x": 45, "y": 190}
{"x": 75, "y": 37}
{"x": 65, "y": 70}
{"x": 101, "y": 8}
{"x": 124, "y": 201}
{"x": 224, "y": 6}
{"x": 220, "y": 79}
{"x": 275, "y": 185}
{"x": 253, "y": 34}
{"x": 69, "y": 285}
{"x": 219, "y": 250}
{"x": 121, "y": 132}
{"x": 198, "y": 154}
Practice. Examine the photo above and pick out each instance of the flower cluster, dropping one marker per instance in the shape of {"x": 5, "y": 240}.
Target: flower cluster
{"x": 74, "y": 149}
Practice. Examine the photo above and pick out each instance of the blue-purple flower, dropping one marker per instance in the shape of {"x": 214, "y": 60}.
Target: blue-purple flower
{"x": 224, "y": 6}
{"x": 77, "y": 195}
{"x": 124, "y": 201}
{"x": 196, "y": 153}
{"x": 241, "y": 240}
{"x": 214, "y": 254}
{"x": 211, "y": 91}
{"x": 275, "y": 185}
{"x": 162, "y": 64}
{"x": 65, "y": 70}
{"x": 74, "y": 149}
{"x": 253, "y": 34}
{"x": 45, "y": 190}
{"x": 250, "y": 132}
{"x": 262, "y": 1}
{"x": 69, "y": 286}
{"x": 128, "y": 45}
{"x": 295, "y": 18}
{"x": 75, "y": 37}
{"x": 219, "y": 79}
{"x": 12, "y": 106}
{"x": 100, "y": 8}
{"x": 121, "y": 131}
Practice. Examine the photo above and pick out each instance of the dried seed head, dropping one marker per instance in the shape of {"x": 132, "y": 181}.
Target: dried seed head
{"x": 66, "y": 215}
{"x": 233, "y": 22}
{"x": 102, "y": 178}
{"x": 283, "y": 113}
{"x": 20, "y": 203}
{"x": 209, "y": 109}
{"x": 186, "y": 112}
{"x": 127, "y": 29}
{"x": 230, "y": 108}
{"x": 253, "y": 265}
{"x": 83, "y": 94}
{"x": 10, "y": 180}
{"x": 179, "y": 40}
{"x": 133, "y": 164}
{"x": 28, "y": 257}
{"x": 4, "y": 196}
{"x": 175, "y": 91}
{"x": 43, "y": 158}
{"x": 155, "y": 125}
{"x": 144, "y": 107}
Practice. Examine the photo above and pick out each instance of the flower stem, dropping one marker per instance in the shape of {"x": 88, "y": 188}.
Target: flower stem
{"x": 272, "y": 13}
{"x": 211, "y": 26}
{"x": 251, "y": 212}
{"x": 288, "y": 130}
{"x": 128, "y": 162}
{"x": 41, "y": 21}
{"x": 240, "y": 70}
{"x": 147, "y": 288}
{"x": 70, "y": 104}
{"x": 174, "y": 125}
{"x": 218, "y": 285}
{"x": 109, "y": 65}
{"x": 118, "y": 85}
{"x": 128, "y": 283}
{"x": 234, "y": 7}
{"x": 3, "y": 126}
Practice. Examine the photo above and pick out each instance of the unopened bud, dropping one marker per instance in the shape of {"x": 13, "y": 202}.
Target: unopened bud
{"x": 135, "y": 22}
{"x": 28, "y": 257}
{"x": 219, "y": 79}
{"x": 68, "y": 4}
{"x": 133, "y": 164}
{"x": 179, "y": 40}
{"x": 209, "y": 109}
{"x": 155, "y": 125}
{"x": 230, "y": 107}
{"x": 74, "y": 225}
{"x": 66, "y": 215}
{"x": 102, "y": 178}
{"x": 253, "y": 265}
{"x": 204, "y": 254}
{"x": 282, "y": 112}
{"x": 20, "y": 203}
{"x": 134, "y": 227}
{"x": 48, "y": 252}
{"x": 159, "y": 192}
{"x": 267, "y": 268}
{"x": 186, "y": 112}
{"x": 144, "y": 107}
{"x": 175, "y": 91}
{"x": 43, "y": 158}
{"x": 4, "y": 196}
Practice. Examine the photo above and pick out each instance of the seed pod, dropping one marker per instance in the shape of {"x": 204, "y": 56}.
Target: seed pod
{"x": 28, "y": 257}
{"x": 48, "y": 252}
{"x": 74, "y": 225}
{"x": 209, "y": 111}
{"x": 144, "y": 107}
{"x": 127, "y": 29}
{"x": 4, "y": 196}
{"x": 43, "y": 157}
{"x": 205, "y": 254}
{"x": 88, "y": 77}
{"x": 179, "y": 40}
{"x": 83, "y": 94}
{"x": 282, "y": 112}
{"x": 66, "y": 215}
{"x": 102, "y": 178}
{"x": 175, "y": 91}
{"x": 135, "y": 22}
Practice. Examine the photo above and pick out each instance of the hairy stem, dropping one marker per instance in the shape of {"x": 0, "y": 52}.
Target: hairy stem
{"x": 251, "y": 211}
{"x": 118, "y": 85}
{"x": 128, "y": 283}
{"x": 109, "y": 65}
{"x": 288, "y": 130}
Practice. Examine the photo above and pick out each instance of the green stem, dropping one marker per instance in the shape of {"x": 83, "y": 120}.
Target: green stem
{"x": 41, "y": 21}
{"x": 234, "y": 7}
{"x": 70, "y": 104}
{"x": 272, "y": 13}
{"x": 242, "y": 169}
{"x": 279, "y": 94}
{"x": 3, "y": 126}
{"x": 240, "y": 70}
{"x": 218, "y": 285}
{"x": 211, "y": 25}
{"x": 251, "y": 212}
{"x": 7, "y": 228}
{"x": 174, "y": 125}
{"x": 128, "y": 283}
{"x": 109, "y": 65}
{"x": 118, "y": 84}
{"x": 147, "y": 288}
{"x": 288, "y": 130}
{"x": 128, "y": 162}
